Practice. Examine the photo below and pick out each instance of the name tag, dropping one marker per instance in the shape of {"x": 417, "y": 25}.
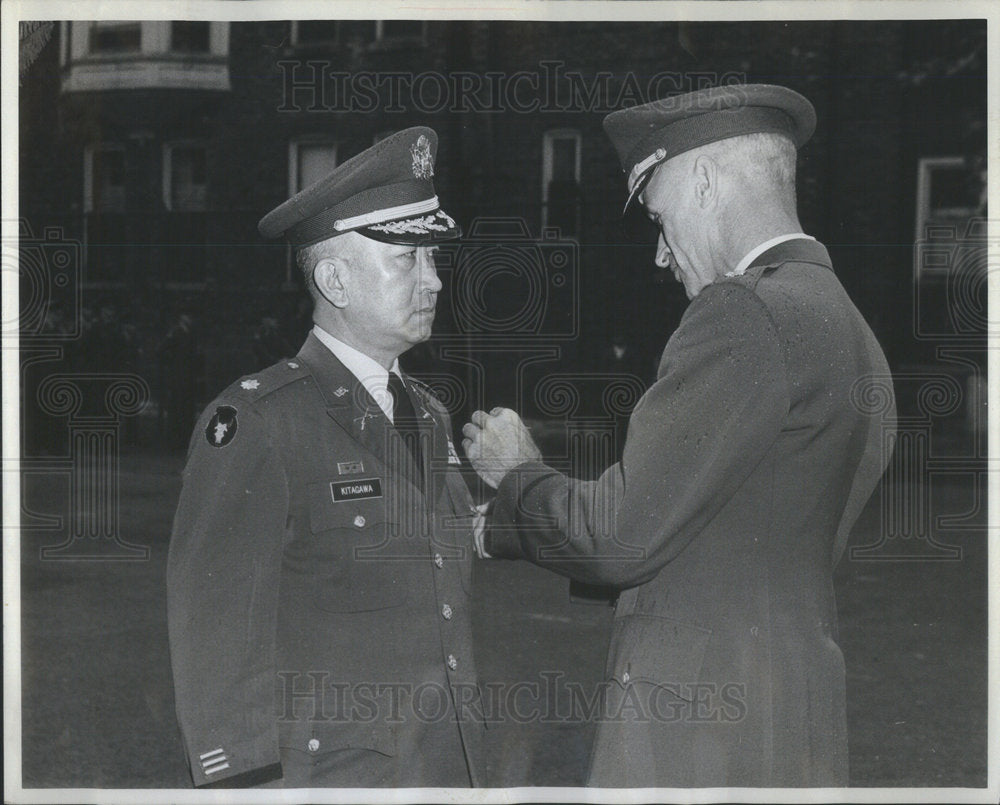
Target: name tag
{"x": 358, "y": 489}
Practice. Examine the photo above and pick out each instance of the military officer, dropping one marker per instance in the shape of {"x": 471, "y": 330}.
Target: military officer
{"x": 319, "y": 568}
{"x": 745, "y": 465}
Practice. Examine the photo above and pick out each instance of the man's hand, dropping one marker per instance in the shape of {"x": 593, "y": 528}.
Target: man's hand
{"x": 496, "y": 443}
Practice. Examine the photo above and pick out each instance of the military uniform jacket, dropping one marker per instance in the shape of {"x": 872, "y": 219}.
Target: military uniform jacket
{"x": 745, "y": 466}
{"x": 318, "y": 600}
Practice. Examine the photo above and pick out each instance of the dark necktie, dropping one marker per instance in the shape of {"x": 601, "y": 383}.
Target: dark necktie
{"x": 404, "y": 419}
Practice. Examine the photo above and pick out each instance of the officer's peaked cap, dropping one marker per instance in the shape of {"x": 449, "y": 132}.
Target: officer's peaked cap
{"x": 386, "y": 192}
{"x": 647, "y": 136}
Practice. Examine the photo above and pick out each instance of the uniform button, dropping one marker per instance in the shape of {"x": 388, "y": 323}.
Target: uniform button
{"x": 446, "y": 612}
{"x": 313, "y": 744}
{"x": 438, "y": 560}
{"x": 359, "y": 521}
{"x": 625, "y": 678}
{"x": 452, "y": 662}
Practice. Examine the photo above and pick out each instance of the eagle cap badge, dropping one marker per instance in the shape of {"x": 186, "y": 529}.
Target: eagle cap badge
{"x": 423, "y": 162}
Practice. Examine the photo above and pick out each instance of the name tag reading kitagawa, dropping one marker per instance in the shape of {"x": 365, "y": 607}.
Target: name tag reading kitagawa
{"x": 358, "y": 489}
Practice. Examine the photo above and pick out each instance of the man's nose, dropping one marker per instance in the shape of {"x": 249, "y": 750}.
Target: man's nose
{"x": 429, "y": 280}
{"x": 663, "y": 253}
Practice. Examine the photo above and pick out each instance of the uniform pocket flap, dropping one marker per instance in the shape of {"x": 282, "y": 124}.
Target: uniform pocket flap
{"x": 321, "y": 737}
{"x": 659, "y": 651}
{"x": 355, "y": 505}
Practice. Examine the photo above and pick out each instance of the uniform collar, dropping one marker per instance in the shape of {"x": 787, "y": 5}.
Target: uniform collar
{"x": 799, "y": 250}
{"x": 761, "y": 248}
{"x": 370, "y": 373}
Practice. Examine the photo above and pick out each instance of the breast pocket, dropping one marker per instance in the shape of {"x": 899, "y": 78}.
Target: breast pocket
{"x": 315, "y": 739}
{"x": 352, "y": 536}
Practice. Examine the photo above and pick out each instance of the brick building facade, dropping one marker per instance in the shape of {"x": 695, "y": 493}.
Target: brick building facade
{"x": 158, "y": 145}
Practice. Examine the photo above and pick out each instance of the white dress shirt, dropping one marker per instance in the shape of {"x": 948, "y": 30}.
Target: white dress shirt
{"x": 369, "y": 372}
{"x": 756, "y": 252}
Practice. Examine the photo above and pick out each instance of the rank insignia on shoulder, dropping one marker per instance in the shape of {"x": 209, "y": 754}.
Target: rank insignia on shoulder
{"x": 340, "y": 392}
{"x": 453, "y": 454}
{"x": 293, "y": 365}
{"x": 350, "y": 467}
{"x": 250, "y": 384}
{"x": 221, "y": 429}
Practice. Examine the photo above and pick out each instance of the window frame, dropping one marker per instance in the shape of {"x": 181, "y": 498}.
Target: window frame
{"x": 379, "y": 38}
{"x": 89, "y": 151}
{"x": 95, "y": 25}
{"x": 294, "y": 156}
{"x": 190, "y": 53}
{"x": 548, "y": 162}
{"x": 925, "y": 215}
{"x": 167, "y": 174}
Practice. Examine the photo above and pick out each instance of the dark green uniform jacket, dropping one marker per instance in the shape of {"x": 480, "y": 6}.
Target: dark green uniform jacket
{"x": 318, "y": 600}
{"x": 744, "y": 468}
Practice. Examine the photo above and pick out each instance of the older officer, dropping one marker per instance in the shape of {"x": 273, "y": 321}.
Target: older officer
{"x": 744, "y": 468}
{"x": 319, "y": 566}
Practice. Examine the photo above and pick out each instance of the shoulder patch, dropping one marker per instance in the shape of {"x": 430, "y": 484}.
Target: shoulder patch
{"x": 221, "y": 428}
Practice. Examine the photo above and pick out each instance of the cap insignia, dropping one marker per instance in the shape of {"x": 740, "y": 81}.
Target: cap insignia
{"x": 423, "y": 164}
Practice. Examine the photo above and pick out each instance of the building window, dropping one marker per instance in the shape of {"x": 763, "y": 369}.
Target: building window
{"x": 356, "y": 32}
{"x": 948, "y": 193}
{"x": 189, "y": 37}
{"x": 309, "y": 160}
{"x": 314, "y": 32}
{"x": 104, "y": 178}
{"x": 400, "y": 29}
{"x": 115, "y": 37}
{"x": 144, "y": 55}
{"x": 561, "y": 181}
{"x": 185, "y": 177}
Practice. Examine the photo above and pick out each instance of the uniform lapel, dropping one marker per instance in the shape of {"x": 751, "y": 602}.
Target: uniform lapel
{"x": 426, "y": 427}
{"x": 434, "y": 439}
{"x": 348, "y": 402}
{"x": 351, "y": 406}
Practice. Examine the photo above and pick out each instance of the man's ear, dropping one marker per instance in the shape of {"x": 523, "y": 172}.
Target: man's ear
{"x": 706, "y": 181}
{"x": 328, "y": 274}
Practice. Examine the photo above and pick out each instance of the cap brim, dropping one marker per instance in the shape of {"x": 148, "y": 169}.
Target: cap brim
{"x": 416, "y": 229}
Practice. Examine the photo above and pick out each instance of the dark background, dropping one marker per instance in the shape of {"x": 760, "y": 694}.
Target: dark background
{"x": 104, "y": 286}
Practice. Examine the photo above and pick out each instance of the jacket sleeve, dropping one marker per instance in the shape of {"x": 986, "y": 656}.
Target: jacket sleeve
{"x": 693, "y": 439}
{"x": 222, "y": 588}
